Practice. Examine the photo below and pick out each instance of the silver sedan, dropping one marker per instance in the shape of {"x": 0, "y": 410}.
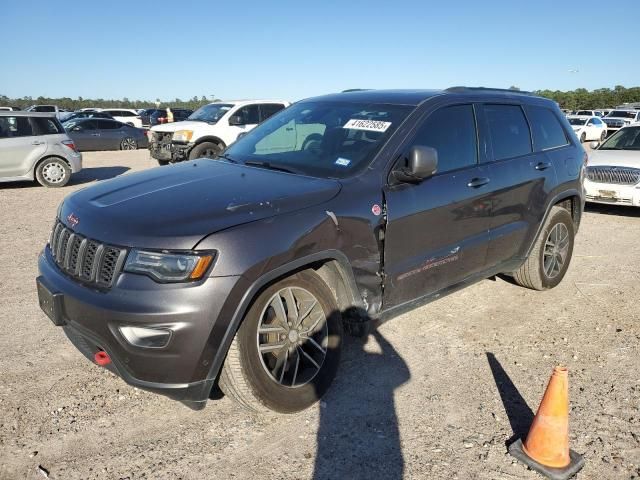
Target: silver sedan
{"x": 103, "y": 134}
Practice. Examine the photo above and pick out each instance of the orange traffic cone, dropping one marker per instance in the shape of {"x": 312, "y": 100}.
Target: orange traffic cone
{"x": 546, "y": 448}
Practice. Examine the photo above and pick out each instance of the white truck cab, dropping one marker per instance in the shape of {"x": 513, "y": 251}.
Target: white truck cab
{"x": 209, "y": 130}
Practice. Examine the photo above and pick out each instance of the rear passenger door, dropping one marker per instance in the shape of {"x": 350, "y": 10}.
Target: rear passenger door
{"x": 111, "y": 134}
{"x": 19, "y": 149}
{"x": 522, "y": 174}
{"x": 268, "y": 109}
{"x": 437, "y": 230}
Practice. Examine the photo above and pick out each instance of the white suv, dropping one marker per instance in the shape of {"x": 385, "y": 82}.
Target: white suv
{"x": 34, "y": 145}
{"x": 127, "y": 116}
{"x": 209, "y": 130}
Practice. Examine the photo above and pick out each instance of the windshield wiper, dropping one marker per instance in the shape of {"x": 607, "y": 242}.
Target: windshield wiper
{"x": 268, "y": 165}
{"x": 228, "y": 158}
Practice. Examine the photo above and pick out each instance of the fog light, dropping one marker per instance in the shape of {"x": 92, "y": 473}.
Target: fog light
{"x": 146, "y": 337}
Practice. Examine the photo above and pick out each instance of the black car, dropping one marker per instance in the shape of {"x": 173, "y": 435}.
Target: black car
{"x": 156, "y": 116}
{"x": 333, "y": 215}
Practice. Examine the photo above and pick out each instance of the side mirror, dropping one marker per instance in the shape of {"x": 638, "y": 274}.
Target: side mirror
{"x": 594, "y": 145}
{"x": 236, "y": 120}
{"x": 76, "y": 129}
{"x": 421, "y": 163}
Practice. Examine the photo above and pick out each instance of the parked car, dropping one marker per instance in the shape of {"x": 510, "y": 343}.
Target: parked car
{"x": 613, "y": 171}
{"x": 620, "y": 118}
{"x": 124, "y": 115}
{"x": 353, "y": 206}
{"x": 589, "y": 113}
{"x": 156, "y": 116}
{"x": 35, "y": 146}
{"x": 104, "y": 134}
{"x": 209, "y": 130}
{"x": 9, "y": 109}
{"x": 588, "y": 128}
{"x": 58, "y": 111}
{"x": 87, "y": 114}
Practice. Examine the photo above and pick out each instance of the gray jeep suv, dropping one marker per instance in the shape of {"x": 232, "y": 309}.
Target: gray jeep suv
{"x": 336, "y": 213}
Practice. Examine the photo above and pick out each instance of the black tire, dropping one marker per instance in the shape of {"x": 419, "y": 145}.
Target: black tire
{"x": 128, "y": 143}
{"x": 534, "y": 273}
{"x": 205, "y": 150}
{"x": 244, "y": 375}
{"x": 583, "y": 137}
{"x": 53, "y": 172}
{"x": 603, "y": 136}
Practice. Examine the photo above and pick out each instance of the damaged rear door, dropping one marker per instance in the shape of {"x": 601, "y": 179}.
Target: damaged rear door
{"x": 438, "y": 230}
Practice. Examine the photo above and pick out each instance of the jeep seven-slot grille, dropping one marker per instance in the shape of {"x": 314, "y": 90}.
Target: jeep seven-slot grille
{"x": 86, "y": 260}
{"x": 617, "y": 175}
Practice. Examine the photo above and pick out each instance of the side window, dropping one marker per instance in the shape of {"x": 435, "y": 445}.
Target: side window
{"x": 87, "y": 125}
{"x": 126, "y": 113}
{"x": 452, "y": 132}
{"x": 11, "y": 127}
{"x": 546, "y": 128}
{"x": 46, "y": 126}
{"x": 268, "y": 109}
{"x": 45, "y": 108}
{"x": 508, "y": 131}
{"x": 250, "y": 114}
{"x": 108, "y": 124}
{"x": 590, "y": 122}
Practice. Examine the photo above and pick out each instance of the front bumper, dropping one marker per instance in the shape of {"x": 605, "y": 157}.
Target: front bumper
{"x": 611, "y": 193}
{"x": 170, "y": 152}
{"x": 182, "y": 369}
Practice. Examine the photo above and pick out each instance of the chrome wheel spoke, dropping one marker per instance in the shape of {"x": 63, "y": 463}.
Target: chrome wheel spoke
{"x": 292, "y": 308}
{"x": 281, "y": 363}
{"x": 314, "y": 343}
{"x": 271, "y": 347}
{"x": 295, "y": 370}
{"x": 309, "y": 357}
{"x": 271, "y": 329}
{"x": 281, "y": 314}
{"x": 305, "y": 313}
{"x": 308, "y": 331}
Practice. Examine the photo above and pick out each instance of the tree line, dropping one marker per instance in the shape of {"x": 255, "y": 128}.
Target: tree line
{"x": 578, "y": 99}
{"x": 80, "y": 102}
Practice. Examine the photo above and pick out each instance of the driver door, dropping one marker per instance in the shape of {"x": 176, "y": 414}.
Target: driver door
{"x": 438, "y": 230}
{"x": 249, "y": 117}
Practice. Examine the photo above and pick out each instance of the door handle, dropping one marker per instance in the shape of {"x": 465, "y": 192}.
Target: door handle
{"x": 478, "y": 182}
{"x": 95, "y": 134}
{"x": 542, "y": 166}
{"x": 37, "y": 142}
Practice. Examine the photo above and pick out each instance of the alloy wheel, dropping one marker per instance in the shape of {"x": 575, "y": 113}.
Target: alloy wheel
{"x": 556, "y": 248}
{"x": 292, "y": 337}
{"x": 128, "y": 144}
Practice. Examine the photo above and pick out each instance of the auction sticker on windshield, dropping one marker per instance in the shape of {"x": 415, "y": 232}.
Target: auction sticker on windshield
{"x": 369, "y": 125}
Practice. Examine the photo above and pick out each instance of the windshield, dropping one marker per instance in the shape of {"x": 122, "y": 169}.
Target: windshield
{"x": 577, "y": 121}
{"x": 321, "y": 139}
{"x": 211, "y": 113}
{"x": 622, "y": 114}
{"x": 624, "y": 139}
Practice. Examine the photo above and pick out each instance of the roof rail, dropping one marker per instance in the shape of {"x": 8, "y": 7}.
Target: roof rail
{"x": 486, "y": 89}
{"x": 355, "y": 90}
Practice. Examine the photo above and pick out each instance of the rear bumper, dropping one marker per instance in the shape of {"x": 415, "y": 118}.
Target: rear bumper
{"x": 180, "y": 370}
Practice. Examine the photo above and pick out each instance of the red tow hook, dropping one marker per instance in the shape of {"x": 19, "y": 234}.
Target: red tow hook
{"x": 102, "y": 358}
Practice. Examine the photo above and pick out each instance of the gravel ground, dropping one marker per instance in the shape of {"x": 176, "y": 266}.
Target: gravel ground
{"x": 433, "y": 394}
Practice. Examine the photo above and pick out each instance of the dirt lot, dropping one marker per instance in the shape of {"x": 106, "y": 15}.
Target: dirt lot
{"x": 434, "y": 394}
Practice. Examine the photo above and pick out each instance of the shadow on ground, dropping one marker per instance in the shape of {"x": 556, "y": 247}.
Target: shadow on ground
{"x": 519, "y": 414}
{"x": 618, "y": 210}
{"x": 358, "y": 435}
{"x": 87, "y": 175}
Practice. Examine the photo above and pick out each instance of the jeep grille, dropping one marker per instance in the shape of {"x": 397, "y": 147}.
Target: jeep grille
{"x": 86, "y": 260}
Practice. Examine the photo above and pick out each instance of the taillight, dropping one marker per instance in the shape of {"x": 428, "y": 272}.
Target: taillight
{"x": 69, "y": 144}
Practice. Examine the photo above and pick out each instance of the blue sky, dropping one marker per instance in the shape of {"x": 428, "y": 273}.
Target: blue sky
{"x": 295, "y": 49}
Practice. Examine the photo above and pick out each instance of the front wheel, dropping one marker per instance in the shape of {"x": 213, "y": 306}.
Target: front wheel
{"x": 53, "y": 172}
{"x": 583, "y": 137}
{"x": 287, "y": 350}
{"x": 205, "y": 150}
{"x": 547, "y": 264}
{"x": 603, "y": 135}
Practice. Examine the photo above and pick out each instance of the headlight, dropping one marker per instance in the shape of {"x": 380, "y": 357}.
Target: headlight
{"x": 168, "y": 267}
{"x": 182, "y": 136}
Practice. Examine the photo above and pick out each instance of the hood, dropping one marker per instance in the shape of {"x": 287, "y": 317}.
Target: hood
{"x": 174, "y": 207}
{"x": 175, "y": 126}
{"x": 615, "y": 158}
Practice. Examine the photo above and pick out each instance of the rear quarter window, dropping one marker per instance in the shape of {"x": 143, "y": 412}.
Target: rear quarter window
{"x": 546, "y": 129}
{"x": 46, "y": 126}
{"x": 508, "y": 130}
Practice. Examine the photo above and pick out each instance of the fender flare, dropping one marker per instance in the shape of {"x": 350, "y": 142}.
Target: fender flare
{"x": 209, "y": 138}
{"x": 564, "y": 195}
{"x": 267, "y": 278}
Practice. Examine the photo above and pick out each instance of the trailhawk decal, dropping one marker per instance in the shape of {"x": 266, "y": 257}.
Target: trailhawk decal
{"x": 431, "y": 263}
{"x": 369, "y": 125}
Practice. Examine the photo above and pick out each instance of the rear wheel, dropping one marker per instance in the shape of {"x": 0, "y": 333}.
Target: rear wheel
{"x": 53, "y": 172}
{"x": 287, "y": 350}
{"x": 128, "y": 144}
{"x": 603, "y": 135}
{"x": 549, "y": 260}
{"x": 205, "y": 150}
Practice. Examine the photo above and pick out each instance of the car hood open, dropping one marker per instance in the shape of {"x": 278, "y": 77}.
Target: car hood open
{"x": 174, "y": 207}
